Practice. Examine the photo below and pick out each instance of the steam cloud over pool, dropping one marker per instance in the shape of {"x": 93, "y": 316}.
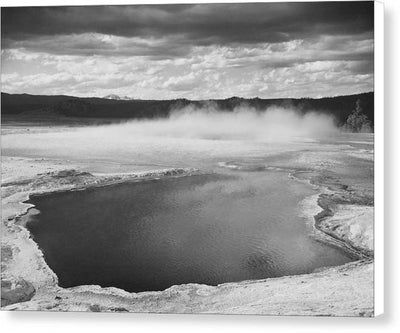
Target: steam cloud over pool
{"x": 199, "y": 138}
{"x": 273, "y": 124}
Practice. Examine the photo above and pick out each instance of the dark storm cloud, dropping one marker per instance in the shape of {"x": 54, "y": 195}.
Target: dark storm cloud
{"x": 192, "y": 51}
{"x": 204, "y": 24}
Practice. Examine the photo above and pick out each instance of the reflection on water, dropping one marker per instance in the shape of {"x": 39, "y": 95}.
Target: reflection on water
{"x": 200, "y": 229}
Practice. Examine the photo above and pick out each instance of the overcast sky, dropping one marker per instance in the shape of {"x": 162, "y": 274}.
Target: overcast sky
{"x": 192, "y": 51}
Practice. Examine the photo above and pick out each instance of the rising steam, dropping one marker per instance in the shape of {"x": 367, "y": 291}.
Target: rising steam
{"x": 273, "y": 124}
{"x": 189, "y": 137}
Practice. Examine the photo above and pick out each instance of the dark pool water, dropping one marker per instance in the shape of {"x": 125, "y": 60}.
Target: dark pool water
{"x": 207, "y": 229}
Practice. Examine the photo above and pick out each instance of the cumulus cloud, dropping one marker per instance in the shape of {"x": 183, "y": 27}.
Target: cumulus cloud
{"x": 192, "y": 51}
{"x": 184, "y": 82}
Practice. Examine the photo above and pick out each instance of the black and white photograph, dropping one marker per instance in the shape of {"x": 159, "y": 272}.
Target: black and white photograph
{"x": 197, "y": 158}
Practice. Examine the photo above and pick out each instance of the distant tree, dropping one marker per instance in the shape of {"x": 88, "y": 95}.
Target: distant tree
{"x": 357, "y": 121}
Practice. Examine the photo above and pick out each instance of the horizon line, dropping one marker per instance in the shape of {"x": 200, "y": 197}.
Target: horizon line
{"x": 183, "y": 98}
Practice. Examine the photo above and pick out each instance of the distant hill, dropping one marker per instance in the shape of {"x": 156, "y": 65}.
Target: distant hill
{"x": 89, "y": 107}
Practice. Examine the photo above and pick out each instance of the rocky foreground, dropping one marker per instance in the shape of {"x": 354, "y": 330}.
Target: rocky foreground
{"x": 27, "y": 283}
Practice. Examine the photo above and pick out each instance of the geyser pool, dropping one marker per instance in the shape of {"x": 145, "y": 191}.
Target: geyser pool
{"x": 153, "y": 234}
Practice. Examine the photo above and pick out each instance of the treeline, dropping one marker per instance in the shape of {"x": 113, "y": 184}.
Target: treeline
{"x": 341, "y": 107}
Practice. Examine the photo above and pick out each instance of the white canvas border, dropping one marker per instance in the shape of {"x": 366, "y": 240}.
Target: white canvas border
{"x": 379, "y": 159}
